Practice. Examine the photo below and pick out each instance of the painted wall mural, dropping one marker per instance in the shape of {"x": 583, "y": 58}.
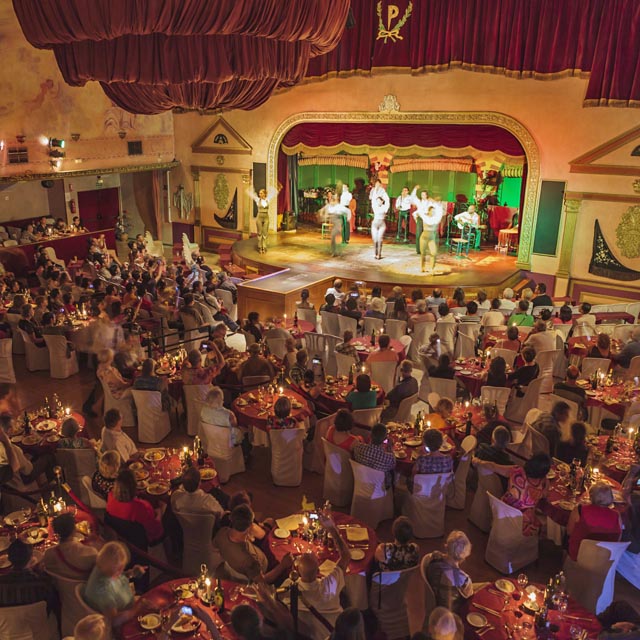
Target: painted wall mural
{"x": 604, "y": 263}
{"x": 628, "y": 233}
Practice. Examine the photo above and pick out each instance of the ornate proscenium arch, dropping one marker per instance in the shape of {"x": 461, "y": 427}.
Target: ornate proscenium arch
{"x": 529, "y": 212}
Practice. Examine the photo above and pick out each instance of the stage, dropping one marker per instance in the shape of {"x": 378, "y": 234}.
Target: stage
{"x": 308, "y": 263}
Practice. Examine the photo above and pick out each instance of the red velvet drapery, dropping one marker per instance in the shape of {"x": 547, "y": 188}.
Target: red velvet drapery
{"x": 160, "y": 54}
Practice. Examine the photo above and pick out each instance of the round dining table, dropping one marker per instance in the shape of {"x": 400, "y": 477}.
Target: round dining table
{"x": 364, "y": 348}
{"x": 615, "y": 398}
{"x": 582, "y": 345}
{"x": 255, "y": 409}
{"x": 505, "y": 617}
{"x": 616, "y": 464}
{"x": 335, "y": 390}
{"x": 165, "y": 599}
{"x": 44, "y": 432}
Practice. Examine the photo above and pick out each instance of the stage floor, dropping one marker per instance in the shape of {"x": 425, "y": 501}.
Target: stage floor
{"x": 305, "y": 251}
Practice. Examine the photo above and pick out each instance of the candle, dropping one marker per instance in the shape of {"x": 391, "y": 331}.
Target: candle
{"x": 362, "y": 369}
{"x": 428, "y": 424}
{"x": 532, "y": 597}
{"x": 280, "y": 390}
{"x": 466, "y": 404}
{"x": 67, "y": 411}
{"x": 596, "y": 472}
{"x": 285, "y": 318}
{"x": 630, "y": 433}
{"x": 185, "y": 452}
{"x": 207, "y": 583}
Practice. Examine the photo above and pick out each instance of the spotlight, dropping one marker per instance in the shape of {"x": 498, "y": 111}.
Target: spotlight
{"x": 20, "y": 138}
{"x": 56, "y": 153}
{"x": 56, "y": 142}
{"x": 75, "y": 137}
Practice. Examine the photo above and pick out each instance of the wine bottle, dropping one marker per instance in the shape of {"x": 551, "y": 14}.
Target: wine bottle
{"x": 27, "y": 424}
{"x": 295, "y": 319}
{"x": 373, "y": 337}
{"x": 609, "y": 446}
{"x": 351, "y": 374}
{"x": 416, "y": 424}
{"x": 218, "y": 596}
{"x": 468, "y": 426}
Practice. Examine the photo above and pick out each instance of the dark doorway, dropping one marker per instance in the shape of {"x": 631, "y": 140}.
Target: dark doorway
{"x": 99, "y": 208}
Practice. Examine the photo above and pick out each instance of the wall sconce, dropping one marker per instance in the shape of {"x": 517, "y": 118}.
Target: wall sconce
{"x": 56, "y": 143}
{"x": 56, "y": 153}
{"x": 122, "y": 134}
{"x": 20, "y": 138}
{"x": 99, "y": 181}
{"x": 55, "y": 164}
{"x": 75, "y": 137}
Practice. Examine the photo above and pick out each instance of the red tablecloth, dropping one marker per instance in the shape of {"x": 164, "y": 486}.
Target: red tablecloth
{"x": 512, "y": 613}
{"x": 42, "y": 441}
{"x": 500, "y": 217}
{"x": 616, "y": 464}
{"x": 365, "y": 342}
{"x": 335, "y": 391}
{"x": 279, "y": 548}
{"x": 615, "y": 398}
{"x": 581, "y": 345}
{"x": 256, "y": 414}
{"x": 163, "y": 599}
{"x": 304, "y": 326}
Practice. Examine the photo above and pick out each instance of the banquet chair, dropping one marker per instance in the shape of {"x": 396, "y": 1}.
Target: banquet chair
{"x": 444, "y": 387}
{"x": 286, "y": 456}
{"x": 87, "y": 610}
{"x": 560, "y": 363}
{"x": 384, "y": 373}
{"x": 480, "y": 511}
{"x": 432, "y": 400}
{"x": 337, "y": 486}
{"x": 447, "y": 332}
{"x": 563, "y": 330}
{"x": 387, "y": 600}
{"x": 124, "y": 404}
{"x": 373, "y": 324}
{"x": 227, "y": 301}
{"x": 154, "y": 423}
{"x": 71, "y": 609}
{"x": 457, "y": 498}
{"x": 343, "y": 364}
{"x": 191, "y": 331}
{"x": 308, "y": 315}
{"x": 420, "y": 334}
{"x": 465, "y": 346}
{"x": 591, "y": 579}
{"x": 517, "y": 407}
{"x": 205, "y": 311}
{"x": 37, "y": 358}
{"x": 253, "y": 382}
{"x": 28, "y": 622}
{"x": 634, "y": 368}
{"x": 546, "y": 360}
{"x": 395, "y": 329}
{"x": 623, "y": 332}
{"x": 197, "y": 530}
{"x": 508, "y": 549}
{"x": 426, "y": 503}
{"x": 170, "y": 337}
{"x": 277, "y": 347}
{"x": 509, "y": 355}
{"x": 315, "y": 462}
{"x": 372, "y": 502}
{"x": 406, "y": 341}
{"x": 606, "y": 328}
{"x": 90, "y": 497}
{"x": 364, "y": 419}
{"x": 194, "y": 396}
{"x": 76, "y": 463}
{"x": 429, "y": 596}
{"x": 634, "y": 310}
{"x": 592, "y": 365}
{"x": 403, "y": 414}
{"x": 64, "y": 363}
{"x": 497, "y": 395}
{"x": 316, "y": 345}
{"x": 629, "y": 568}
{"x": 539, "y": 443}
{"x": 228, "y": 459}
{"x": 345, "y": 323}
{"x": 17, "y": 340}
{"x": 329, "y": 323}
{"x": 7, "y": 373}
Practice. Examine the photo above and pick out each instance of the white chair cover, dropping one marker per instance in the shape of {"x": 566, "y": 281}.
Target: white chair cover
{"x": 539, "y": 443}
{"x": 499, "y": 395}
{"x": 123, "y": 404}
{"x": 563, "y": 330}
{"x": 7, "y": 374}
{"x": 330, "y": 323}
{"x": 37, "y": 358}
{"x": 443, "y": 387}
{"x": 227, "y": 301}
{"x": 338, "y": 476}
{"x": 395, "y": 329}
{"x": 89, "y": 496}
{"x": 546, "y": 361}
{"x": 457, "y": 498}
{"x": 308, "y": 315}
{"x": 634, "y": 368}
{"x": 403, "y": 414}
{"x": 76, "y": 463}
{"x": 432, "y": 399}
{"x": 465, "y": 346}
{"x": 345, "y": 323}
{"x": 373, "y": 324}
{"x": 286, "y": 456}
{"x": 364, "y": 419}
{"x": 591, "y": 579}
{"x": 480, "y": 512}
{"x": 197, "y": 529}
{"x": 387, "y": 601}
{"x": 425, "y": 506}
{"x": 517, "y": 407}
{"x": 316, "y": 461}
{"x": 509, "y": 355}
{"x": 384, "y": 373}
{"x": 18, "y": 342}
{"x": 194, "y": 396}
{"x": 421, "y": 333}
{"x": 629, "y": 568}
{"x": 80, "y": 597}
{"x": 63, "y": 363}
{"x": 191, "y": 331}
{"x": 228, "y": 459}
{"x": 372, "y": 502}
{"x": 28, "y": 622}
{"x": 623, "y": 332}
{"x": 154, "y": 424}
{"x": 447, "y": 332}
{"x": 507, "y": 548}
{"x": 591, "y": 365}
{"x": 277, "y": 347}
{"x": 429, "y": 596}
{"x": 343, "y": 363}
{"x": 71, "y": 610}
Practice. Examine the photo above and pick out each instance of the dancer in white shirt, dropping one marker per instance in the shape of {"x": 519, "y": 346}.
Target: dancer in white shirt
{"x": 345, "y": 201}
{"x": 336, "y": 214}
{"x": 429, "y": 237}
{"x": 425, "y": 202}
{"x": 380, "y": 208}
{"x": 262, "y": 199}
{"x": 403, "y": 207}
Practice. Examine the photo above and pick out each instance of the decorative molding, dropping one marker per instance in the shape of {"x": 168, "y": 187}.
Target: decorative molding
{"x": 532, "y": 187}
{"x": 571, "y": 208}
{"x": 198, "y": 168}
{"x": 585, "y": 162}
{"x": 605, "y": 169}
{"x": 602, "y": 197}
{"x": 389, "y": 104}
{"x": 234, "y": 142}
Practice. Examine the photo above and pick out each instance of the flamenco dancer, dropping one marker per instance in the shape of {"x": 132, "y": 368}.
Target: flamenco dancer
{"x": 426, "y": 202}
{"x": 430, "y": 215}
{"x": 262, "y": 199}
{"x": 380, "y": 208}
{"x": 403, "y": 207}
{"x": 336, "y": 214}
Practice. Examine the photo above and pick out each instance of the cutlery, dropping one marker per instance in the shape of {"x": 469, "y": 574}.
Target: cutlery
{"x": 487, "y": 609}
{"x": 484, "y": 630}
{"x": 577, "y": 618}
{"x": 509, "y": 631}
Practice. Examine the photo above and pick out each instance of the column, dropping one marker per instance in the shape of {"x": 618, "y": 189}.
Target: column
{"x": 571, "y": 208}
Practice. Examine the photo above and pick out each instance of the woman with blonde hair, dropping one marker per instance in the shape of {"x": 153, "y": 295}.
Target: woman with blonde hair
{"x": 92, "y": 627}
{"x": 106, "y": 473}
{"x": 107, "y": 590}
{"x": 442, "y": 412}
{"x": 110, "y": 376}
{"x": 444, "y": 625}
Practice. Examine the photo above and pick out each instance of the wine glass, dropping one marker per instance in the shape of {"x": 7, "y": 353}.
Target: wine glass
{"x": 575, "y": 632}
{"x": 522, "y": 580}
{"x": 562, "y": 604}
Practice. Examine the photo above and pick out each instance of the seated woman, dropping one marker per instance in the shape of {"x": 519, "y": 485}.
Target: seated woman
{"x": 576, "y": 446}
{"x": 525, "y": 488}
{"x": 377, "y": 309}
{"x": 122, "y": 503}
{"x": 444, "y": 368}
{"x": 565, "y": 315}
{"x": 70, "y": 439}
{"x": 512, "y": 341}
{"x": 214, "y": 413}
{"x": 339, "y": 432}
{"x": 105, "y": 476}
{"x": 401, "y": 553}
{"x": 442, "y": 413}
{"x": 595, "y": 521}
{"x": 363, "y": 396}
{"x": 400, "y": 310}
{"x": 28, "y": 324}
{"x": 259, "y": 529}
{"x": 195, "y": 373}
{"x": 107, "y": 590}
{"x": 602, "y": 347}
{"x": 282, "y": 418}
{"x": 431, "y": 459}
{"x": 496, "y": 375}
{"x": 304, "y": 302}
{"x": 451, "y": 585}
{"x": 110, "y": 376}
{"x": 524, "y": 375}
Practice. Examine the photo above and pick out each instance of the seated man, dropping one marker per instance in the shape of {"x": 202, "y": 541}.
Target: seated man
{"x": 431, "y": 459}
{"x": 385, "y": 352}
{"x": 256, "y": 365}
{"x": 629, "y": 351}
{"x": 494, "y": 317}
{"x": 571, "y": 391}
{"x": 524, "y": 375}
{"x": 496, "y": 451}
{"x": 542, "y": 299}
{"x": 548, "y": 424}
{"x": 70, "y": 558}
{"x": 28, "y": 325}
{"x": 522, "y": 318}
{"x": 114, "y": 438}
{"x": 346, "y": 348}
{"x": 472, "y": 313}
{"x": 296, "y": 373}
{"x": 376, "y": 454}
{"x": 406, "y": 387}
{"x": 190, "y": 498}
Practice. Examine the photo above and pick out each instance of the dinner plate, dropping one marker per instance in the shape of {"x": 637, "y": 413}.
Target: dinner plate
{"x": 446, "y": 446}
{"x": 476, "y": 620}
{"x": 207, "y": 473}
{"x": 34, "y": 535}
{"x": 622, "y": 467}
{"x": 296, "y": 405}
{"x": 241, "y": 402}
{"x": 136, "y": 466}
{"x": 551, "y": 475}
{"x": 150, "y": 622}
{"x": 4, "y": 543}
{"x": 16, "y": 518}
{"x": 466, "y": 372}
{"x": 157, "y": 488}
{"x": 186, "y": 624}
{"x": 186, "y": 590}
{"x": 458, "y": 368}
{"x": 590, "y": 392}
{"x": 163, "y": 372}
{"x": 357, "y": 554}
{"x": 16, "y": 439}
{"x": 281, "y": 533}
{"x": 29, "y": 440}
{"x": 5, "y": 563}
{"x": 504, "y": 585}
{"x": 53, "y": 438}
{"x": 154, "y": 455}
{"x": 46, "y": 425}
{"x": 143, "y": 474}
{"x": 413, "y": 442}
{"x": 360, "y": 347}
{"x": 401, "y": 455}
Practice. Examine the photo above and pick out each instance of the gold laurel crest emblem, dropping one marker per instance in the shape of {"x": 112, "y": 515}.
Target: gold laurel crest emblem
{"x": 392, "y": 33}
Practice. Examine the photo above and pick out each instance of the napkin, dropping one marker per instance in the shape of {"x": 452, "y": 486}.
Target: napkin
{"x": 290, "y": 522}
{"x": 326, "y": 567}
{"x": 357, "y": 534}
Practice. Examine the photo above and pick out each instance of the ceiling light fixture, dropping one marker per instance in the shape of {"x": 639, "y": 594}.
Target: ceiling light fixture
{"x": 56, "y": 142}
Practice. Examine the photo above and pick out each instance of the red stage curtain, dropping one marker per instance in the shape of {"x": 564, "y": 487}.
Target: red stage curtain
{"x": 480, "y": 136}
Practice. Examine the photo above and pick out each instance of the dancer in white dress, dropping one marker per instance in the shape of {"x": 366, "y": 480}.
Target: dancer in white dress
{"x": 425, "y": 202}
{"x": 262, "y": 199}
{"x": 345, "y": 200}
{"x": 380, "y": 208}
{"x": 430, "y": 214}
{"x": 336, "y": 214}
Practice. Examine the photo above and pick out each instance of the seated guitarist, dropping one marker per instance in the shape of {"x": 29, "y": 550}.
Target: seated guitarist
{"x": 470, "y": 216}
